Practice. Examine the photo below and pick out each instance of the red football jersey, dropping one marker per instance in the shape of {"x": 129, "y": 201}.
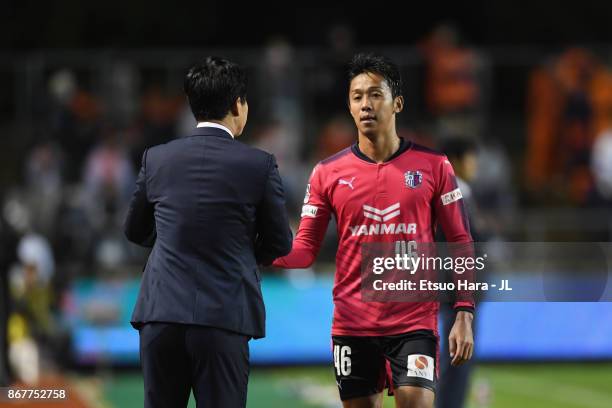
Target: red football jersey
{"x": 401, "y": 199}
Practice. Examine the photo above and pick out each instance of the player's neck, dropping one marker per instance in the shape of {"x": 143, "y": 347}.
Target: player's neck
{"x": 379, "y": 148}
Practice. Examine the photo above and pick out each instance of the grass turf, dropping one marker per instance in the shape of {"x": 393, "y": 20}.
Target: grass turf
{"x": 493, "y": 386}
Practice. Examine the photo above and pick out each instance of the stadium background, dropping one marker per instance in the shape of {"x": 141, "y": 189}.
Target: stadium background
{"x": 84, "y": 88}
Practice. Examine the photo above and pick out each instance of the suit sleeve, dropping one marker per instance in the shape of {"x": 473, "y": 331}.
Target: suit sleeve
{"x": 452, "y": 216}
{"x": 273, "y": 233}
{"x": 139, "y": 225}
{"x": 316, "y": 213}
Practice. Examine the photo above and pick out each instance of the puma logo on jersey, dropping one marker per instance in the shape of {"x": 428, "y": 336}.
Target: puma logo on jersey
{"x": 349, "y": 183}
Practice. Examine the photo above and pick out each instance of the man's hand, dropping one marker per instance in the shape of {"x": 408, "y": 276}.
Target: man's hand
{"x": 461, "y": 339}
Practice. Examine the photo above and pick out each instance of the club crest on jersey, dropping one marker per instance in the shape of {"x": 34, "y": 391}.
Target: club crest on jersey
{"x": 413, "y": 179}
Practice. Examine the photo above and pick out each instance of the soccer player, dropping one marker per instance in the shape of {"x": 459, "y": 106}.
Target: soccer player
{"x": 382, "y": 189}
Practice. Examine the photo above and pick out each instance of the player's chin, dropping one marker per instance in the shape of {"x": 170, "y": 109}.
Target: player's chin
{"x": 368, "y": 129}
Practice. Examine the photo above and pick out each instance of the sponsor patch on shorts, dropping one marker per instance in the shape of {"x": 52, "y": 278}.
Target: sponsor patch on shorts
{"x": 420, "y": 365}
{"x": 451, "y": 196}
{"x": 309, "y": 211}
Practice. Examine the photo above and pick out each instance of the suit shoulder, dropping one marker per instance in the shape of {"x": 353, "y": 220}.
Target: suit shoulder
{"x": 162, "y": 146}
{"x": 253, "y": 155}
{"x": 150, "y": 152}
{"x": 240, "y": 152}
{"x": 254, "y": 151}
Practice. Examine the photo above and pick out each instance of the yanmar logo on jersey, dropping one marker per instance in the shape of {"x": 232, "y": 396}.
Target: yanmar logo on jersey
{"x": 384, "y": 215}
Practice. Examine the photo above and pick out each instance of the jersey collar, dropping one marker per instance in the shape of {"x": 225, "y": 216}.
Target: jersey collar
{"x": 404, "y": 145}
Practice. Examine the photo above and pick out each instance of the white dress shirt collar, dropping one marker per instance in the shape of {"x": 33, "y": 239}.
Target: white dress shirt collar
{"x": 215, "y": 125}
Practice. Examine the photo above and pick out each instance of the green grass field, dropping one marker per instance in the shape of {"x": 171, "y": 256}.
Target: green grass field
{"x": 494, "y": 386}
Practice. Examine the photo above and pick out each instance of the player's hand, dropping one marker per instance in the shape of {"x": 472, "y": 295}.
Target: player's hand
{"x": 461, "y": 339}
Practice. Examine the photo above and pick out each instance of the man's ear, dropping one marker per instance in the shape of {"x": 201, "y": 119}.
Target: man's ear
{"x": 398, "y": 104}
{"x": 235, "y": 110}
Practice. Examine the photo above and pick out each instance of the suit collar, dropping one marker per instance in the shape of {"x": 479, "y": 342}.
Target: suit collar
{"x": 210, "y": 131}
{"x": 215, "y": 125}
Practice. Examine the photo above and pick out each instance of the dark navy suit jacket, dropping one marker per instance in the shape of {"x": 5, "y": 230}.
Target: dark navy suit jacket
{"x": 212, "y": 209}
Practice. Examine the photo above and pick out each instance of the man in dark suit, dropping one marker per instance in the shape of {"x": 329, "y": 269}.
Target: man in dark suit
{"x": 212, "y": 209}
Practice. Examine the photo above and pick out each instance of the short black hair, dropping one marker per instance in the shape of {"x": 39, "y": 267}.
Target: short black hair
{"x": 212, "y": 86}
{"x": 458, "y": 147}
{"x": 377, "y": 64}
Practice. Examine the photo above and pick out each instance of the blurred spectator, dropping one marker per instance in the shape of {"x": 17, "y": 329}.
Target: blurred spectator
{"x": 280, "y": 139}
{"x": 108, "y": 180}
{"x": 569, "y": 101}
{"x": 494, "y": 191}
{"x": 75, "y": 119}
{"x": 601, "y": 167}
{"x": 120, "y": 92}
{"x": 329, "y": 99}
{"x": 278, "y": 84}
{"x": 453, "y": 94}
{"x": 74, "y": 236}
{"x": 160, "y": 113}
{"x": 44, "y": 183}
{"x": 35, "y": 252}
{"x": 452, "y": 83}
{"x": 30, "y": 323}
{"x": 160, "y": 110}
{"x": 463, "y": 155}
{"x": 8, "y": 255}
{"x": 454, "y": 382}
{"x": 277, "y": 114}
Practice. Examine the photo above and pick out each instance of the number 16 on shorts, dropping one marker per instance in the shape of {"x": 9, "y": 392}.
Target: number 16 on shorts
{"x": 342, "y": 360}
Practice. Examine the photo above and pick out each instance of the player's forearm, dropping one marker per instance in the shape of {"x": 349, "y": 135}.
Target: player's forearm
{"x": 306, "y": 243}
{"x": 298, "y": 258}
{"x": 464, "y": 298}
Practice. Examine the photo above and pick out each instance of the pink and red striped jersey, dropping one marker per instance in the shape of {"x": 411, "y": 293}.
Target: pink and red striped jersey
{"x": 402, "y": 199}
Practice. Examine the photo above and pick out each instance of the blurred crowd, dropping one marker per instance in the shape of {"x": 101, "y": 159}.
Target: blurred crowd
{"x": 569, "y": 136}
{"x": 62, "y": 217}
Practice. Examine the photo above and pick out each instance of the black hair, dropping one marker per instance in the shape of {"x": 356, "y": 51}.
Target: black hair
{"x": 458, "y": 148}
{"x": 377, "y": 64}
{"x": 212, "y": 86}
